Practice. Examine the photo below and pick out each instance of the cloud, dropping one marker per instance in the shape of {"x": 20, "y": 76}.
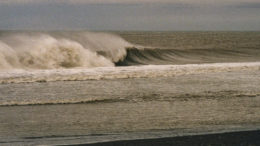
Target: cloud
{"x": 130, "y": 14}
{"x": 126, "y": 1}
{"x": 85, "y": 1}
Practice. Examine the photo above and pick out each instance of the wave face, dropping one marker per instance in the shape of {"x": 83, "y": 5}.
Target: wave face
{"x": 191, "y": 47}
{"x": 148, "y": 56}
{"x": 42, "y": 50}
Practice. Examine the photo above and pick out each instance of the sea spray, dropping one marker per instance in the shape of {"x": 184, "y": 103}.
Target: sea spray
{"x": 53, "y": 51}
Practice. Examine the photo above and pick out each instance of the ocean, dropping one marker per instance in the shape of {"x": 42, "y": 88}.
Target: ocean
{"x": 81, "y": 87}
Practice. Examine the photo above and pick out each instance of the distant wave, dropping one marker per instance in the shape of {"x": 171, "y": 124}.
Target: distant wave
{"x": 147, "y": 71}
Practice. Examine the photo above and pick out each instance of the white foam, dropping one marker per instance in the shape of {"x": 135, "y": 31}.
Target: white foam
{"x": 48, "y": 51}
{"x": 76, "y": 74}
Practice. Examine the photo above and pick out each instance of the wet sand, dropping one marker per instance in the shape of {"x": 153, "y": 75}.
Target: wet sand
{"x": 242, "y": 138}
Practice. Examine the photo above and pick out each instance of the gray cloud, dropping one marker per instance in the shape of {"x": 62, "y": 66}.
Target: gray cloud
{"x": 127, "y": 1}
{"x": 126, "y": 15}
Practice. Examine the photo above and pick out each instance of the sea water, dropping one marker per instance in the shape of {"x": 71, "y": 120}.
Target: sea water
{"x": 84, "y": 87}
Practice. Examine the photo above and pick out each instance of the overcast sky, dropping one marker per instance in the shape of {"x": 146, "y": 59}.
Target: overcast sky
{"x": 155, "y": 15}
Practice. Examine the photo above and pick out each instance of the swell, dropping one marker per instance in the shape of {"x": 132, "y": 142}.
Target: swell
{"x": 156, "y": 56}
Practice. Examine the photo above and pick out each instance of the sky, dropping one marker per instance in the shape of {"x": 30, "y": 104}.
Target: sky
{"x": 139, "y": 15}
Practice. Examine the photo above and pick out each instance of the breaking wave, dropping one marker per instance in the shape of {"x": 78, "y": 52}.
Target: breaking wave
{"x": 63, "y": 56}
{"x": 59, "y": 50}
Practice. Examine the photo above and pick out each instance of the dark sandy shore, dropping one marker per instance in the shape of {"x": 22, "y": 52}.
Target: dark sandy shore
{"x": 243, "y": 138}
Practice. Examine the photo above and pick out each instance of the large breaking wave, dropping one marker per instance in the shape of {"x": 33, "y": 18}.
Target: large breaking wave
{"x": 60, "y": 50}
{"x": 62, "y": 56}
{"x": 57, "y": 50}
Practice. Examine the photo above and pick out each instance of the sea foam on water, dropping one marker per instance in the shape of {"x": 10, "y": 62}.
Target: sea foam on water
{"x": 79, "y": 74}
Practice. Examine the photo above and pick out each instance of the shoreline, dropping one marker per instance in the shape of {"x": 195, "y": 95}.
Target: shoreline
{"x": 239, "y": 138}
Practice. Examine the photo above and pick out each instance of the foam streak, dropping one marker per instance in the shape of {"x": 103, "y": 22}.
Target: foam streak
{"x": 21, "y": 76}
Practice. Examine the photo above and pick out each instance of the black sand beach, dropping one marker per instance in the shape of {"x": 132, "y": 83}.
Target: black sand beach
{"x": 242, "y": 138}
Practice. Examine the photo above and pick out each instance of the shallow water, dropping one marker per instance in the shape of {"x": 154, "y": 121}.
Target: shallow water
{"x": 131, "y": 108}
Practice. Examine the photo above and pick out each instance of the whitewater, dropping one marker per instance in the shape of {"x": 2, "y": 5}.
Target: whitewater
{"x": 44, "y": 51}
{"x": 23, "y": 76}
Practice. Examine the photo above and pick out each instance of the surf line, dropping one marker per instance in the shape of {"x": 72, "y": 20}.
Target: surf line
{"x": 99, "y": 73}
